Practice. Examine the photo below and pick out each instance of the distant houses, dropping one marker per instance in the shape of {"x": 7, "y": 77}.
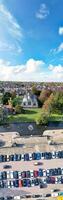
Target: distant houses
{"x": 29, "y": 101}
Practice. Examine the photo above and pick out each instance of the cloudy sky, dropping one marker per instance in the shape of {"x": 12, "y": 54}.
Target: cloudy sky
{"x": 31, "y": 40}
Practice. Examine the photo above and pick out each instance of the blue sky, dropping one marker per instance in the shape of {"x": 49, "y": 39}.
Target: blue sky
{"x": 31, "y": 40}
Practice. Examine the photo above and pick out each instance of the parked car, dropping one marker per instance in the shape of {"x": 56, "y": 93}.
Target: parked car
{"x": 24, "y": 182}
{"x": 26, "y": 157}
{"x": 54, "y": 194}
{"x": 31, "y": 173}
{"x": 20, "y": 183}
{"x": 16, "y": 183}
{"x": 40, "y": 172}
{"x": 27, "y": 174}
{"x": 36, "y": 181}
{"x": 4, "y": 175}
{"x": 23, "y": 174}
{"x": 15, "y": 174}
{"x": 52, "y": 180}
{"x": 42, "y": 155}
{"x": 1, "y": 176}
{"x": 30, "y": 156}
{"x": 34, "y": 156}
{"x": 38, "y": 156}
{"x": 8, "y": 174}
{"x": 11, "y": 157}
{"x": 19, "y": 175}
{"x": 22, "y": 157}
{"x": 28, "y": 183}
{"x": 32, "y": 182}
{"x": 53, "y": 154}
{"x": 44, "y": 172}
{"x": 35, "y": 173}
{"x": 11, "y": 174}
{"x": 7, "y": 166}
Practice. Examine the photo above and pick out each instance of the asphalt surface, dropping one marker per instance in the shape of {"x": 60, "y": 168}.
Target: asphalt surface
{"x": 29, "y": 165}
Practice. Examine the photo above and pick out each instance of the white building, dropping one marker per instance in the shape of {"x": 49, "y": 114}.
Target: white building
{"x": 29, "y": 101}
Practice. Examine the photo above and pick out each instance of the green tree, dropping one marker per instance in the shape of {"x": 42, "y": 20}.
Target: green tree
{"x": 43, "y": 118}
{"x": 6, "y": 98}
{"x": 18, "y": 109}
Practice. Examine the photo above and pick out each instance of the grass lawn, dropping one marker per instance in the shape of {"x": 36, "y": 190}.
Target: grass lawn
{"x": 56, "y": 117}
{"x": 30, "y": 115}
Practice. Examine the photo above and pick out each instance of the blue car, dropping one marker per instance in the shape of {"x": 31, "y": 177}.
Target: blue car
{"x": 40, "y": 173}
{"x": 24, "y": 182}
{"x": 26, "y": 157}
{"x": 38, "y": 156}
{"x": 34, "y": 156}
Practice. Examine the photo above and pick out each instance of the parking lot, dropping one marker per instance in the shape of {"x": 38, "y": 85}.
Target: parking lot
{"x": 29, "y": 145}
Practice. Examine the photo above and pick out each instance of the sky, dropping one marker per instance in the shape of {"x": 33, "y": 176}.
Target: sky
{"x": 31, "y": 40}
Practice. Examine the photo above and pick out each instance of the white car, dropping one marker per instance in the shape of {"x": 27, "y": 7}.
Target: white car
{"x": 42, "y": 156}
{"x": 12, "y": 185}
{"x": 7, "y": 158}
{"x": 47, "y": 172}
{"x": 11, "y": 174}
{"x": 55, "y": 194}
{"x": 8, "y": 184}
{"x": 53, "y": 154}
{"x": 56, "y": 180}
{"x": 22, "y": 157}
{"x": 30, "y": 156}
{"x": 8, "y": 174}
{"x": 19, "y": 174}
{"x": 44, "y": 180}
{"x": 44, "y": 172}
{"x": 17, "y": 197}
{"x": 31, "y": 173}
{"x": 56, "y": 154}
{"x": 62, "y": 171}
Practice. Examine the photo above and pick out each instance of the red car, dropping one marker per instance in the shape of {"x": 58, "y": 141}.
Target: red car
{"x": 20, "y": 183}
{"x": 52, "y": 180}
{"x": 35, "y": 173}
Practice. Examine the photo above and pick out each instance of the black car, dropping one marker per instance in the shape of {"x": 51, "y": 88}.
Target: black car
{"x": 7, "y": 166}
{"x": 4, "y": 175}
{"x": 11, "y": 158}
{"x": 48, "y": 180}
{"x": 42, "y": 185}
{"x": 16, "y": 183}
{"x": 48, "y": 195}
{"x": 34, "y": 156}
{"x": 59, "y": 171}
{"x": 4, "y": 158}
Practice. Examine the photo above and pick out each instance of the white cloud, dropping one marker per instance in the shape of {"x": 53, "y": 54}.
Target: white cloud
{"x": 57, "y": 50}
{"x": 43, "y": 11}
{"x": 60, "y": 30}
{"x": 11, "y": 33}
{"x": 57, "y": 72}
{"x": 30, "y": 71}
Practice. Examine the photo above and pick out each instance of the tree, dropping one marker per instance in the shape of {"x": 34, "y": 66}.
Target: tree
{"x": 35, "y": 91}
{"x": 43, "y": 118}
{"x": 18, "y": 109}
{"x": 44, "y": 95}
{"x": 6, "y": 98}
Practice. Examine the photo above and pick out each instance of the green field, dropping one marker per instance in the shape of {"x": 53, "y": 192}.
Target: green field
{"x": 56, "y": 117}
{"x": 30, "y": 115}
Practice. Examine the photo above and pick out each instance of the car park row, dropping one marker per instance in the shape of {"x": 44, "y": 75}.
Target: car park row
{"x": 41, "y": 182}
{"x": 31, "y": 156}
{"x": 31, "y": 173}
{"x": 28, "y": 196}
